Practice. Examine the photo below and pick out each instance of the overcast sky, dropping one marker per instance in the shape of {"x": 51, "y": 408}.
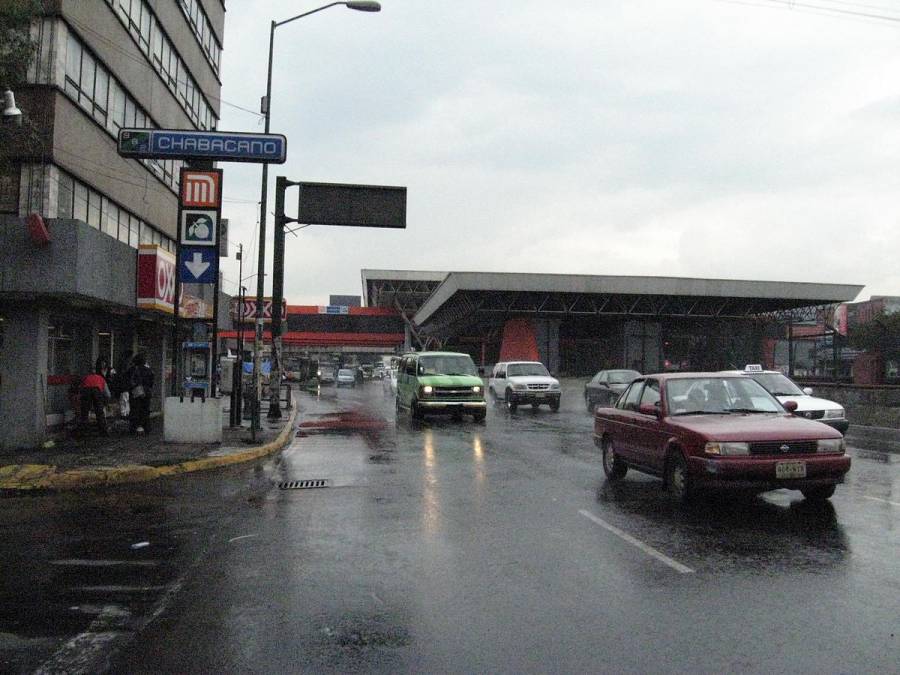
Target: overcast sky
{"x": 690, "y": 138}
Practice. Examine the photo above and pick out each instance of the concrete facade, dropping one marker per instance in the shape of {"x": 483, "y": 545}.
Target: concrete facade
{"x": 100, "y": 65}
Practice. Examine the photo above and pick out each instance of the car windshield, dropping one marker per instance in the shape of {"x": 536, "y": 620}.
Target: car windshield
{"x": 345, "y": 372}
{"x": 719, "y": 395}
{"x": 623, "y": 376}
{"x": 777, "y": 384}
{"x": 526, "y": 369}
{"x": 447, "y": 364}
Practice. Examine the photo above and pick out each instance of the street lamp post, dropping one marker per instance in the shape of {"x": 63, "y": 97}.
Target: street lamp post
{"x": 274, "y": 405}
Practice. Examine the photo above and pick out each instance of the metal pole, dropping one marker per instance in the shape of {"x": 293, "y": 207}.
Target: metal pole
{"x": 261, "y": 264}
{"x": 239, "y": 399}
{"x": 281, "y": 184}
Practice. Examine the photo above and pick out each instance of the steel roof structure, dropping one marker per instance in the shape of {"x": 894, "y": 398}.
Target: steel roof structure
{"x": 464, "y": 297}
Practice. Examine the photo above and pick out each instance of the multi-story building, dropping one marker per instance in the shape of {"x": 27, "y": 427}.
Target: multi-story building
{"x": 99, "y": 65}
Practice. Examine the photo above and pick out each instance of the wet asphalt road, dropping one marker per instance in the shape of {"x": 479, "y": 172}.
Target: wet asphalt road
{"x": 450, "y": 547}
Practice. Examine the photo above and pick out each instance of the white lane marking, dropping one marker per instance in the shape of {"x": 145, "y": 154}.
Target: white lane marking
{"x": 649, "y": 550}
{"x": 104, "y": 563}
{"x": 879, "y": 499}
{"x": 243, "y": 536}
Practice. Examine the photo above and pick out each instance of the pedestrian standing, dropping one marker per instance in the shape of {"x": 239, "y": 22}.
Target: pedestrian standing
{"x": 141, "y": 383}
{"x": 121, "y": 384}
{"x": 94, "y": 394}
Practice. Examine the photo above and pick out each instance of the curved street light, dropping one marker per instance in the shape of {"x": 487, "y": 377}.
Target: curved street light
{"x": 359, "y": 6}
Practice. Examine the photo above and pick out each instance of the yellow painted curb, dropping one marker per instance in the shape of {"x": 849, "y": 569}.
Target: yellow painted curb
{"x": 46, "y": 476}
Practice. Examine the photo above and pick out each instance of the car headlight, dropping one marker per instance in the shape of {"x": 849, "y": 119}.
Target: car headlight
{"x": 318, "y": 373}
{"x": 830, "y": 445}
{"x": 427, "y": 389}
{"x": 476, "y": 389}
{"x": 520, "y": 387}
{"x": 716, "y": 448}
{"x": 834, "y": 414}
{"x": 554, "y": 385}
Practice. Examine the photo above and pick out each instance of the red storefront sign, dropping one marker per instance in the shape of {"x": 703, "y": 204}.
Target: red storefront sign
{"x": 248, "y": 313}
{"x": 156, "y": 279}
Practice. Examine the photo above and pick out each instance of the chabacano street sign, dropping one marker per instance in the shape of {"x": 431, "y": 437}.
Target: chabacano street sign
{"x": 214, "y": 146}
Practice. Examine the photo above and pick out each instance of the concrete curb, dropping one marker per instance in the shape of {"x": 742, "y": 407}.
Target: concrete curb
{"x": 46, "y": 477}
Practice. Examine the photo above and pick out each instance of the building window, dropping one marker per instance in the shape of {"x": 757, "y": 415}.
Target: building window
{"x": 65, "y": 196}
{"x": 90, "y": 85}
{"x": 144, "y": 28}
{"x": 9, "y": 190}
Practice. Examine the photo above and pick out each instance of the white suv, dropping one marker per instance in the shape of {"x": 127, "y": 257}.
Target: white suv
{"x": 516, "y": 383}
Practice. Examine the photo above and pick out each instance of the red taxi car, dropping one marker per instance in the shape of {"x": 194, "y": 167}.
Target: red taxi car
{"x": 712, "y": 431}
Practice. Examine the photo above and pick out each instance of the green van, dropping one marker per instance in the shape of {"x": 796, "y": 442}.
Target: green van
{"x": 440, "y": 382}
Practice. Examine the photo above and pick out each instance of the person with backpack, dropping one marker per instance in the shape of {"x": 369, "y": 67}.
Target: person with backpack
{"x": 141, "y": 389}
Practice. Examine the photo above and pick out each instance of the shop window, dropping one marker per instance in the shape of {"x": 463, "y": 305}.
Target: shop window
{"x": 59, "y": 351}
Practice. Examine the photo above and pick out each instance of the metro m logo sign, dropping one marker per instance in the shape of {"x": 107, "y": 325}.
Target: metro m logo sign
{"x": 201, "y": 188}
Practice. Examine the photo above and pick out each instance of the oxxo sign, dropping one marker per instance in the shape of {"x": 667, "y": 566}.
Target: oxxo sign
{"x": 156, "y": 279}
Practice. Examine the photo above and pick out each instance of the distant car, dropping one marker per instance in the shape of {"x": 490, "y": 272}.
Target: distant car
{"x": 808, "y": 406}
{"x": 516, "y": 383}
{"x": 440, "y": 382}
{"x": 606, "y": 386}
{"x": 346, "y": 376}
{"x": 326, "y": 374}
{"x": 713, "y": 431}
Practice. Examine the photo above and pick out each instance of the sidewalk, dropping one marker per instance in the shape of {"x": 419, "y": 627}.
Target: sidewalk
{"x": 90, "y": 460}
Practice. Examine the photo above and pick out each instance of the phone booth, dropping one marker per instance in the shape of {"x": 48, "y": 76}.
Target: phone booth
{"x": 197, "y": 367}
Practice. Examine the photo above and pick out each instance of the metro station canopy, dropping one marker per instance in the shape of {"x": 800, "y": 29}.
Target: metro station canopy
{"x": 441, "y": 303}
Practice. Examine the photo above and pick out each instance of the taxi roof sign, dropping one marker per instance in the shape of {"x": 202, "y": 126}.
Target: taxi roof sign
{"x": 753, "y": 368}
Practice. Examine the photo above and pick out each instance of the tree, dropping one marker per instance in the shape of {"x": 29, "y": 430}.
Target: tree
{"x": 881, "y": 335}
{"x": 16, "y": 45}
{"x": 16, "y": 52}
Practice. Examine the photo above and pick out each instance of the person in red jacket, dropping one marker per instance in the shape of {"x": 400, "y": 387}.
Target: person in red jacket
{"x": 94, "y": 393}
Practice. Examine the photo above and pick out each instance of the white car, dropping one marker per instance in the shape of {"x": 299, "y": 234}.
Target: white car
{"x": 808, "y": 406}
{"x": 346, "y": 376}
{"x": 516, "y": 383}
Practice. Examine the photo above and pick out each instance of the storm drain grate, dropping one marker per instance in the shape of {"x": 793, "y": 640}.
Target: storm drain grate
{"x": 304, "y": 484}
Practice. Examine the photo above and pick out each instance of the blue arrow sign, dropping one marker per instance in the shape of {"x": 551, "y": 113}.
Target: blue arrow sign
{"x": 217, "y": 146}
{"x": 198, "y": 264}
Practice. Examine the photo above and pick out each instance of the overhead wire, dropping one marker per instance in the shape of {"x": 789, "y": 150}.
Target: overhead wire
{"x": 811, "y": 8}
{"x": 142, "y": 61}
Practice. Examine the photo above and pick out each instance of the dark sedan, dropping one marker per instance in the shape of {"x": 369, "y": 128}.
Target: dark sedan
{"x": 606, "y": 386}
{"x": 710, "y": 431}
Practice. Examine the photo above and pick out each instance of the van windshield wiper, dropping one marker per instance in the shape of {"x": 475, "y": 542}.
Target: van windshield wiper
{"x": 702, "y": 412}
{"x": 748, "y": 410}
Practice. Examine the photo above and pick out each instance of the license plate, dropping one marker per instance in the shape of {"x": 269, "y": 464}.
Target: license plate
{"x": 539, "y": 395}
{"x": 790, "y": 470}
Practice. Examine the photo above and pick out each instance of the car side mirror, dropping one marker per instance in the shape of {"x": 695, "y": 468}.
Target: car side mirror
{"x": 807, "y": 391}
{"x": 649, "y": 409}
{"x": 790, "y": 406}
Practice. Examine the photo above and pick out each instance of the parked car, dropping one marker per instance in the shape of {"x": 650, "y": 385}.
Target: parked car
{"x": 785, "y": 389}
{"x": 440, "y": 382}
{"x": 712, "y": 431}
{"x": 346, "y": 377}
{"x": 606, "y": 386}
{"x": 516, "y": 383}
